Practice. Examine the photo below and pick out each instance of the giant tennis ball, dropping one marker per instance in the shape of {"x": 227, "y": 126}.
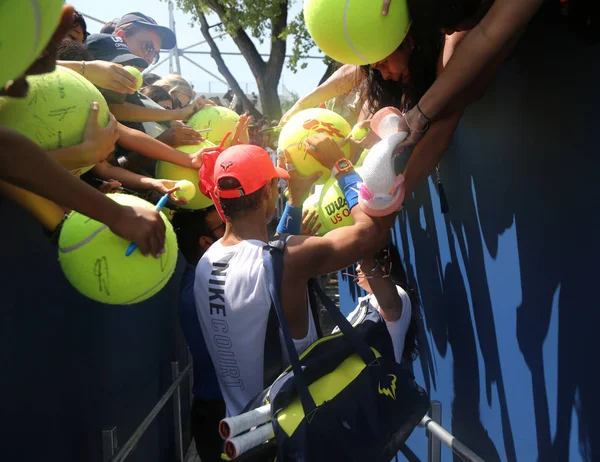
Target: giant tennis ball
{"x": 307, "y": 123}
{"x": 25, "y": 30}
{"x": 55, "y": 112}
{"x": 137, "y": 74}
{"x": 93, "y": 259}
{"x": 219, "y": 119}
{"x": 355, "y": 31}
{"x": 169, "y": 171}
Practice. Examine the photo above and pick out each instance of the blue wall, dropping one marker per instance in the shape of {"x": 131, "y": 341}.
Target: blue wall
{"x": 70, "y": 366}
{"x": 508, "y": 279}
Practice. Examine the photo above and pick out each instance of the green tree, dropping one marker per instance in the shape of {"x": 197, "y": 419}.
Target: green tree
{"x": 265, "y": 21}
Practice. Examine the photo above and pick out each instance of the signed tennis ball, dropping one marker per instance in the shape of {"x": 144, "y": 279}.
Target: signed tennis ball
{"x": 93, "y": 259}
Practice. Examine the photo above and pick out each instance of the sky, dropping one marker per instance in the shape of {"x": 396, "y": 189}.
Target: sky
{"x": 301, "y": 82}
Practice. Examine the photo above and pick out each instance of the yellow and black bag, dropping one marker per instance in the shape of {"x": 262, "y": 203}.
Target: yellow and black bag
{"x": 345, "y": 398}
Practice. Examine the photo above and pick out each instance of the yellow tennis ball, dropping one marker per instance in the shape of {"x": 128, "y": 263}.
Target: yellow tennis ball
{"x": 307, "y": 123}
{"x": 55, "y": 112}
{"x": 219, "y": 119}
{"x": 169, "y": 171}
{"x": 137, "y": 74}
{"x": 93, "y": 259}
{"x": 186, "y": 190}
{"x": 355, "y": 32}
{"x": 358, "y": 133}
{"x": 25, "y": 29}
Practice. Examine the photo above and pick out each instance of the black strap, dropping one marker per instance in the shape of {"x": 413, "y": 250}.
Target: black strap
{"x": 274, "y": 281}
{"x": 273, "y": 361}
{"x": 314, "y": 308}
{"x": 361, "y": 347}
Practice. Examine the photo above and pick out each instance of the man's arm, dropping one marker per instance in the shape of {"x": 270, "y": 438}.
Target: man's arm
{"x": 311, "y": 256}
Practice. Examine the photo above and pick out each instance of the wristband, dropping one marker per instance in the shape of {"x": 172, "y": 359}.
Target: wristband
{"x": 290, "y": 221}
{"x": 347, "y": 184}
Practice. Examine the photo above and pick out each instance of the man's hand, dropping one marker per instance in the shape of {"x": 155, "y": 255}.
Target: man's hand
{"x": 181, "y": 135}
{"x": 324, "y": 150}
{"x": 298, "y": 186}
{"x": 143, "y": 226}
{"x": 99, "y": 142}
{"x": 111, "y": 76}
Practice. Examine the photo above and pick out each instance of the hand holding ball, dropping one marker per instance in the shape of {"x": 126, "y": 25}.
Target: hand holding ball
{"x": 186, "y": 190}
{"x": 305, "y": 124}
{"x": 137, "y": 74}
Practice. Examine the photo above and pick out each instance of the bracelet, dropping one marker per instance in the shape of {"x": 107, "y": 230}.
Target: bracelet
{"x": 428, "y": 119}
{"x": 83, "y": 68}
{"x": 411, "y": 129}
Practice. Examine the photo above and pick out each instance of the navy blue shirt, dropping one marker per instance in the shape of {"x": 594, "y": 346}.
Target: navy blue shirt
{"x": 206, "y": 385}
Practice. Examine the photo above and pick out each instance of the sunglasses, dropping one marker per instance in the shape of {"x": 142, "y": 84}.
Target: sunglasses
{"x": 151, "y": 51}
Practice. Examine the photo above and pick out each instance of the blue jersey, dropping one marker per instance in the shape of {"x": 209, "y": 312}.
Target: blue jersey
{"x": 206, "y": 385}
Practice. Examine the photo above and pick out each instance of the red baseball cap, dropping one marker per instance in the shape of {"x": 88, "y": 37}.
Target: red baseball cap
{"x": 249, "y": 164}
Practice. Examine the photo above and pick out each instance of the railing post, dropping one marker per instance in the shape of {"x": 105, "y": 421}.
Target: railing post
{"x": 177, "y": 413}
{"x": 434, "y": 445}
{"x": 109, "y": 443}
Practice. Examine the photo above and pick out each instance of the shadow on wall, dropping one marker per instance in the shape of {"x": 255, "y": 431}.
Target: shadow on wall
{"x": 506, "y": 278}
{"x": 71, "y": 366}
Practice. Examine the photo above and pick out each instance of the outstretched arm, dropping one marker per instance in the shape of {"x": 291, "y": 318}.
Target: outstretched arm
{"x": 341, "y": 81}
{"x": 503, "y": 22}
{"x": 138, "y": 141}
{"x": 35, "y": 171}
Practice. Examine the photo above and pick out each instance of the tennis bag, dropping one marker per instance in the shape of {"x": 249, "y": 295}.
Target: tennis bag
{"x": 345, "y": 398}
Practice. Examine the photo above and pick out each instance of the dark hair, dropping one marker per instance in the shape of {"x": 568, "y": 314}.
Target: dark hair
{"x": 398, "y": 277}
{"x": 109, "y": 27}
{"x": 190, "y": 226}
{"x": 79, "y": 20}
{"x": 156, "y": 94}
{"x": 233, "y": 208}
{"x": 422, "y": 67}
{"x": 150, "y": 78}
{"x": 72, "y": 50}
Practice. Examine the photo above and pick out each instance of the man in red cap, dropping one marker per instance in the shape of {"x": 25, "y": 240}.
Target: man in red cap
{"x": 230, "y": 289}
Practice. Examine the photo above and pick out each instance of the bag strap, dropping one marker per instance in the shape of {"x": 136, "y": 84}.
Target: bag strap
{"x": 274, "y": 283}
{"x": 357, "y": 342}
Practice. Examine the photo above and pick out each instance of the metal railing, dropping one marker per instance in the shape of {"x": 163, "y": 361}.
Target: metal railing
{"x": 110, "y": 450}
{"x": 437, "y": 435}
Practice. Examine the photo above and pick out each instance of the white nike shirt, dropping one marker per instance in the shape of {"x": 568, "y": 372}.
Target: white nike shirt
{"x": 233, "y": 303}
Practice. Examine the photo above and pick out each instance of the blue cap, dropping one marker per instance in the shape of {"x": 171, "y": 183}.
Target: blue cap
{"x": 112, "y": 48}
